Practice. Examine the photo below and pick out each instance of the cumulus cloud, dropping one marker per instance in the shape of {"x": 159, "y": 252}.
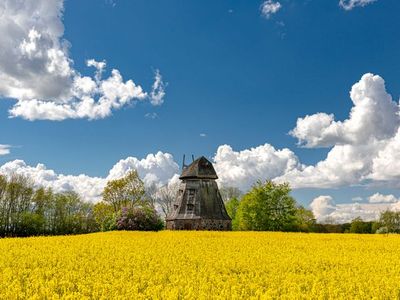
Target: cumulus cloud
{"x": 242, "y": 168}
{"x": 90, "y": 188}
{"x": 379, "y": 198}
{"x": 345, "y": 165}
{"x": 364, "y": 151}
{"x": 385, "y": 164}
{"x": 37, "y": 71}
{"x": 322, "y": 206}
{"x": 4, "y": 149}
{"x": 155, "y": 169}
{"x": 350, "y": 4}
{"x": 325, "y": 210}
{"x": 364, "y": 146}
{"x": 374, "y": 116}
{"x": 270, "y": 7}
{"x": 160, "y": 169}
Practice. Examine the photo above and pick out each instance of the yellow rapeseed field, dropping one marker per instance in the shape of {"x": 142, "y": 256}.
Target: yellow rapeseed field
{"x": 201, "y": 265}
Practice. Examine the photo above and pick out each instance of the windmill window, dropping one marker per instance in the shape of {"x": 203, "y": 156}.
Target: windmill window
{"x": 190, "y": 207}
{"x": 191, "y": 192}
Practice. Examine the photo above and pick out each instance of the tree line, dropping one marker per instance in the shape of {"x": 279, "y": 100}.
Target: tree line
{"x": 26, "y": 210}
{"x": 270, "y": 207}
{"x": 127, "y": 204}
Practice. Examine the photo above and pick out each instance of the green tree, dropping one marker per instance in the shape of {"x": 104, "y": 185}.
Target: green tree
{"x": 304, "y": 220}
{"x": 42, "y": 205}
{"x": 267, "y": 206}
{"x": 18, "y": 199}
{"x": 124, "y": 192}
{"x": 359, "y": 226}
{"x": 104, "y": 216}
{"x": 30, "y": 224}
{"x": 390, "y": 220}
{"x": 26, "y": 210}
{"x": 375, "y": 226}
{"x": 232, "y": 206}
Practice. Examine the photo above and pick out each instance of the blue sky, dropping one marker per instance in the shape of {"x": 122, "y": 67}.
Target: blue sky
{"x": 231, "y": 73}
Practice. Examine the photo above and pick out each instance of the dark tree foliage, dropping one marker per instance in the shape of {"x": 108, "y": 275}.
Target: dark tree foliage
{"x": 360, "y": 226}
{"x": 26, "y": 211}
{"x": 139, "y": 218}
{"x": 304, "y": 220}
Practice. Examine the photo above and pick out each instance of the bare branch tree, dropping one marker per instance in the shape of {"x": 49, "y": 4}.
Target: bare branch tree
{"x": 165, "y": 197}
{"x": 229, "y": 192}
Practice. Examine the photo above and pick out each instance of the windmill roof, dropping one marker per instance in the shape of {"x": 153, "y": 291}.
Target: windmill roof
{"x": 201, "y": 168}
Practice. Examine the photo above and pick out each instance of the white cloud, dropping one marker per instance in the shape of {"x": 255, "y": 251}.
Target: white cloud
{"x": 112, "y": 3}
{"x": 364, "y": 151}
{"x": 4, "y": 149}
{"x": 232, "y": 167}
{"x": 203, "y": 135}
{"x": 243, "y": 168}
{"x": 156, "y": 169}
{"x": 364, "y": 145}
{"x": 99, "y": 66}
{"x": 322, "y": 206}
{"x": 344, "y": 165}
{"x": 152, "y": 115}
{"x": 385, "y": 164}
{"x": 36, "y": 70}
{"x": 379, "y": 198}
{"x": 374, "y": 116}
{"x": 325, "y": 210}
{"x": 270, "y": 7}
{"x": 158, "y": 90}
{"x": 350, "y": 4}
{"x": 89, "y": 188}
{"x": 357, "y": 199}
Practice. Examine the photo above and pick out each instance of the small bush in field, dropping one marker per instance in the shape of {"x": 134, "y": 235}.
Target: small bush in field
{"x": 139, "y": 218}
{"x": 382, "y": 230}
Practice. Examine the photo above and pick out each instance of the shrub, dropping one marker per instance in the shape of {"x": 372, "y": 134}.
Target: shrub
{"x": 382, "y": 230}
{"x": 143, "y": 218}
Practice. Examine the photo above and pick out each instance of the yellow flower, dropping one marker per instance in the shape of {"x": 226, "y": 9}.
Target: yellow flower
{"x": 201, "y": 265}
